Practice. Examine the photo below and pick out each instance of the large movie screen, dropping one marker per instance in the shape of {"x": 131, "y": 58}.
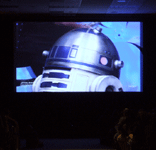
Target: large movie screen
{"x": 78, "y": 56}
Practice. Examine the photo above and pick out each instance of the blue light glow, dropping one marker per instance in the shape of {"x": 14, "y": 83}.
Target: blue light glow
{"x": 24, "y": 73}
{"x": 120, "y": 34}
{"x": 129, "y": 54}
{"x": 25, "y": 88}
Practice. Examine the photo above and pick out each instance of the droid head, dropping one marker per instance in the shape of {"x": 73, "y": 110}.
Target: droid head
{"x": 86, "y": 49}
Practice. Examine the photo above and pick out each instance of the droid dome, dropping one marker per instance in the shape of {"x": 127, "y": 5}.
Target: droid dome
{"x": 86, "y": 49}
{"x": 83, "y": 60}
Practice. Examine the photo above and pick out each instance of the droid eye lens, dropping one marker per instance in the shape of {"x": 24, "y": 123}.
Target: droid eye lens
{"x": 104, "y": 61}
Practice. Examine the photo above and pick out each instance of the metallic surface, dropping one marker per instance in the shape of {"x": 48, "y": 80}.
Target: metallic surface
{"x": 90, "y": 46}
{"x": 82, "y": 60}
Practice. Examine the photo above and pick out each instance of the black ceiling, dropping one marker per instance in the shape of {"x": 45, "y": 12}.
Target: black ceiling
{"x": 79, "y": 6}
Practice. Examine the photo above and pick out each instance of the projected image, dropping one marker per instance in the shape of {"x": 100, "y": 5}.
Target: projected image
{"x": 78, "y": 57}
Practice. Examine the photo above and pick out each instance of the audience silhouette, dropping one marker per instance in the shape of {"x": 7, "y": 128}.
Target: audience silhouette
{"x": 32, "y": 140}
{"x": 135, "y": 130}
{"x": 9, "y": 131}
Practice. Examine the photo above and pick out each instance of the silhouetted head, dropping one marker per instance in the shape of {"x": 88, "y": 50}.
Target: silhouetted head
{"x": 126, "y": 112}
{"x": 141, "y": 113}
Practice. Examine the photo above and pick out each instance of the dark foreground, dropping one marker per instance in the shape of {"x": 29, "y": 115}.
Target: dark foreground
{"x": 67, "y": 144}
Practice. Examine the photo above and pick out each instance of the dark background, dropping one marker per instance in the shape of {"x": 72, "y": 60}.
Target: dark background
{"x": 73, "y": 115}
{"x": 32, "y": 39}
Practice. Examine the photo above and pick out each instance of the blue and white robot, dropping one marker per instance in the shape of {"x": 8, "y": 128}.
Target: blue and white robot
{"x": 82, "y": 60}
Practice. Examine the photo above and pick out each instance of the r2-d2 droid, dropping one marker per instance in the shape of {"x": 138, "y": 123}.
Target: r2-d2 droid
{"x": 82, "y": 60}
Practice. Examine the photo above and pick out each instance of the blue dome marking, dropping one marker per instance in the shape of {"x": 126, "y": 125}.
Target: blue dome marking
{"x": 73, "y": 52}
{"x": 53, "y": 51}
{"x": 62, "y": 52}
{"x": 75, "y": 46}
